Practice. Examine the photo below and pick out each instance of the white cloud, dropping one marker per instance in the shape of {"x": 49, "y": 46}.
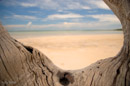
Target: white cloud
{"x": 76, "y": 5}
{"x": 36, "y": 12}
{"x": 63, "y": 16}
{"x": 28, "y": 4}
{"x": 60, "y": 4}
{"x": 71, "y": 25}
{"x": 78, "y": 17}
{"x": 46, "y": 4}
{"x": 105, "y": 18}
{"x": 25, "y": 17}
{"x": 98, "y": 4}
{"x": 14, "y": 26}
{"x": 85, "y": 7}
{"x": 28, "y": 24}
{"x": 65, "y": 6}
{"x": 104, "y": 21}
{"x": 49, "y": 4}
{"x": 79, "y": 25}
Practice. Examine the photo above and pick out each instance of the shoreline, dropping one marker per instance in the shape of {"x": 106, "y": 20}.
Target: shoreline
{"x": 18, "y": 35}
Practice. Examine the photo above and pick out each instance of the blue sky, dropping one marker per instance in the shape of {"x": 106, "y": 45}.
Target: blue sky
{"x": 57, "y": 15}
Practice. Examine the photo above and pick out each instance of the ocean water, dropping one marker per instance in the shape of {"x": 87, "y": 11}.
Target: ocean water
{"x": 28, "y": 34}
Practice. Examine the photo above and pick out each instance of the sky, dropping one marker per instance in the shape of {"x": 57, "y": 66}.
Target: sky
{"x": 57, "y": 15}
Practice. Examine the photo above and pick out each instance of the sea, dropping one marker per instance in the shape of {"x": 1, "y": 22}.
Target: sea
{"x": 29, "y": 34}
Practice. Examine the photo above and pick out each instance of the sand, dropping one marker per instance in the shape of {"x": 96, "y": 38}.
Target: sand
{"x": 76, "y": 51}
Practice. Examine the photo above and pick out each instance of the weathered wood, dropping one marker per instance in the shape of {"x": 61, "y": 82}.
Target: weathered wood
{"x": 22, "y": 65}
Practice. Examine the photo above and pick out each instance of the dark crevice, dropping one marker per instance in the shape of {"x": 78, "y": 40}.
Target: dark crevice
{"x": 127, "y": 81}
{"x": 125, "y": 84}
{"x": 15, "y": 40}
{"x": 43, "y": 72}
{"x": 47, "y": 80}
{"x": 117, "y": 74}
{"x": 49, "y": 72}
{"x": 36, "y": 78}
{"x": 30, "y": 49}
{"x": 125, "y": 53}
{"x": 64, "y": 81}
{"x": 100, "y": 74}
{"x": 65, "y": 78}
{"x": 92, "y": 79}
{"x": 98, "y": 67}
{"x": 30, "y": 69}
{"x": 39, "y": 53}
{"x": 46, "y": 77}
{"x": 118, "y": 71}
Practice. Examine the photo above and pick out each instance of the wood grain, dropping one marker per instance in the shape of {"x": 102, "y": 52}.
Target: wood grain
{"x": 22, "y": 65}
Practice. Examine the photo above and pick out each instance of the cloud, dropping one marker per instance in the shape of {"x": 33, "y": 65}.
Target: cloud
{"x": 63, "y": 16}
{"x": 98, "y": 4}
{"x": 60, "y": 4}
{"x": 28, "y": 4}
{"x": 9, "y": 2}
{"x": 49, "y": 4}
{"x": 76, "y": 5}
{"x": 105, "y": 18}
{"x": 23, "y": 17}
{"x": 78, "y": 26}
{"x": 28, "y": 24}
{"x": 66, "y": 4}
{"x": 14, "y": 26}
{"x": 67, "y": 19}
{"x": 77, "y": 17}
{"x": 43, "y": 4}
{"x": 24, "y": 26}
{"x": 85, "y": 7}
{"x": 71, "y": 26}
{"x": 103, "y": 21}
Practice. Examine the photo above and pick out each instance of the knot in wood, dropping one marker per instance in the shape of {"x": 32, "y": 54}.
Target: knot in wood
{"x": 66, "y": 78}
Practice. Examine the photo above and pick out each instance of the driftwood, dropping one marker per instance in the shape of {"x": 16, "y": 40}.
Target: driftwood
{"x": 22, "y": 65}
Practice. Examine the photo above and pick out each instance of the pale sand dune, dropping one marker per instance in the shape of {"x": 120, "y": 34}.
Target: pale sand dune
{"x": 76, "y": 51}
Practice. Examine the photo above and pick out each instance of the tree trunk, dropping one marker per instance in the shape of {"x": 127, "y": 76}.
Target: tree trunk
{"x": 22, "y": 65}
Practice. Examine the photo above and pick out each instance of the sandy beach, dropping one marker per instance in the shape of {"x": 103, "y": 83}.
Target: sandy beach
{"x": 76, "y": 51}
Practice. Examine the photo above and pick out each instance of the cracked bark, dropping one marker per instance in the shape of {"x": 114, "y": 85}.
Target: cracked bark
{"x": 22, "y": 65}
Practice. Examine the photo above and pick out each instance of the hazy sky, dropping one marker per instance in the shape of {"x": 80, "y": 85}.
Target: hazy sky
{"x": 56, "y": 15}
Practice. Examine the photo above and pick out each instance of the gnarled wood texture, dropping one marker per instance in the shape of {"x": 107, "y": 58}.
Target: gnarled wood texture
{"x": 22, "y": 65}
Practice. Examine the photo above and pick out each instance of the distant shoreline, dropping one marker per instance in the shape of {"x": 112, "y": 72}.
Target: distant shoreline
{"x": 59, "y": 33}
{"x": 118, "y": 29}
{"x": 60, "y": 30}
